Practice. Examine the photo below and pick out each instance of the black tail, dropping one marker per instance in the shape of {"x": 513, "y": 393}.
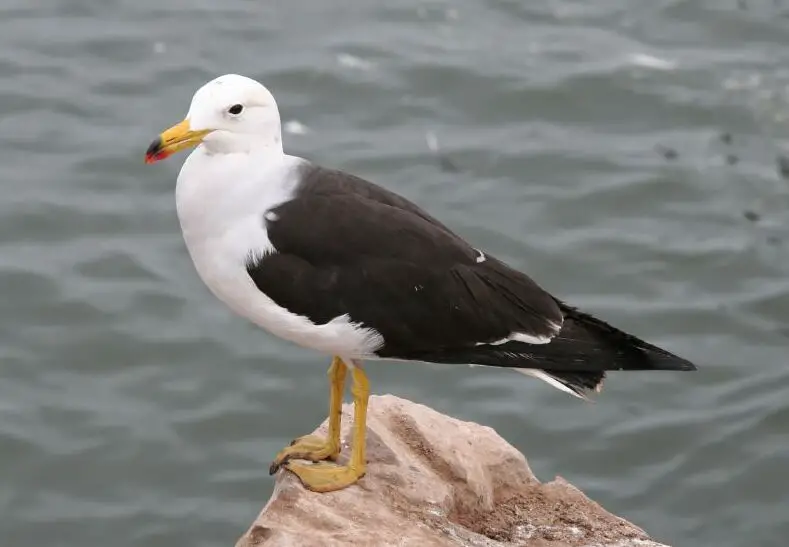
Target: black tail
{"x": 576, "y": 359}
{"x": 595, "y": 345}
{"x": 584, "y": 345}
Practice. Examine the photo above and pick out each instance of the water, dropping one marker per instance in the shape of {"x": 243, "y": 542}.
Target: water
{"x": 135, "y": 410}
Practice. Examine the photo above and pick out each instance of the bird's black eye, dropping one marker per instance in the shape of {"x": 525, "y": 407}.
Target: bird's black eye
{"x": 235, "y": 109}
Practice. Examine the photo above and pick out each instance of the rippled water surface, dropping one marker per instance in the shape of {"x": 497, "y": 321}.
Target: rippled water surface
{"x": 623, "y": 153}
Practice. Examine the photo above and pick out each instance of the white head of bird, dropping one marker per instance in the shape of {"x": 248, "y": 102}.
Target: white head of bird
{"x": 230, "y": 114}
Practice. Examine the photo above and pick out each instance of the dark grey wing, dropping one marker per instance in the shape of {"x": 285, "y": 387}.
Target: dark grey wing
{"x": 319, "y": 181}
{"x": 346, "y": 246}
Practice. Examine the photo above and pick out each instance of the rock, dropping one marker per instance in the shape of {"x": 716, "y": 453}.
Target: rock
{"x": 434, "y": 481}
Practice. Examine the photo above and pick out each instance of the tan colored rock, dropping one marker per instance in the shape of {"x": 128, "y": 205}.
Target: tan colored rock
{"x": 434, "y": 481}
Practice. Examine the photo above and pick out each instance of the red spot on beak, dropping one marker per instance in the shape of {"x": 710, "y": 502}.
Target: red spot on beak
{"x": 156, "y": 151}
{"x": 153, "y": 158}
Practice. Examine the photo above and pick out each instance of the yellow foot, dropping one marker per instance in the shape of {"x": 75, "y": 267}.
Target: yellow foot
{"x": 325, "y": 476}
{"x": 309, "y": 447}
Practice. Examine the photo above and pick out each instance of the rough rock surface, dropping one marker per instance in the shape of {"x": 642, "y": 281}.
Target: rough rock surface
{"x": 433, "y": 481}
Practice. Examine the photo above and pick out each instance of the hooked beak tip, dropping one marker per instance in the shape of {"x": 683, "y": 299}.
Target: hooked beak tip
{"x": 155, "y": 151}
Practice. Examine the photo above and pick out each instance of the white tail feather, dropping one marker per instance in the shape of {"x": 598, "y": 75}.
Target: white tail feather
{"x": 547, "y": 378}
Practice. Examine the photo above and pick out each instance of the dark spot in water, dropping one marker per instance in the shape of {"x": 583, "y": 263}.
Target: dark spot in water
{"x": 667, "y": 152}
{"x": 725, "y": 137}
{"x": 783, "y": 166}
{"x": 732, "y": 159}
{"x": 741, "y": 4}
{"x": 773, "y": 239}
{"x": 447, "y": 164}
{"x": 753, "y": 216}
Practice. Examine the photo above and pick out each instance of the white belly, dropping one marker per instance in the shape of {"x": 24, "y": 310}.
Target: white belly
{"x": 223, "y": 226}
{"x": 226, "y": 276}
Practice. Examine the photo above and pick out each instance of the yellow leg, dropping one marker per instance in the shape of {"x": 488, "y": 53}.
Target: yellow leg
{"x": 313, "y": 447}
{"x": 328, "y": 476}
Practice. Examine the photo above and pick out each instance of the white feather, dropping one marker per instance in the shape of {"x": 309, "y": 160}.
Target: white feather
{"x": 548, "y": 379}
{"x": 527, "y": 338}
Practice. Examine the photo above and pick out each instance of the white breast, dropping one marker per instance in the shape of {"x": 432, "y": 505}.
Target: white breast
{"x": 221, "y": 201}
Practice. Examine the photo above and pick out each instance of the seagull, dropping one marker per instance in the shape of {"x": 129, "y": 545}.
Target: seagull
{"x": 339, "y": 265}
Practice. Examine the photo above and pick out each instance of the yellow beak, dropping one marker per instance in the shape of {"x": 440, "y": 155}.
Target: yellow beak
{"x": 178, "y": 137}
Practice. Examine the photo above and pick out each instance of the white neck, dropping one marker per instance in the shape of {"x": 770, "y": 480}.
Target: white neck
{"x": 217, "y": 190}
{"x": 224, "y": 142}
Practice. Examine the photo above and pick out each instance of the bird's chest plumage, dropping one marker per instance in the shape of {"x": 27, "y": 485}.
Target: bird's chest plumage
{"x": 222, "y": 217}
